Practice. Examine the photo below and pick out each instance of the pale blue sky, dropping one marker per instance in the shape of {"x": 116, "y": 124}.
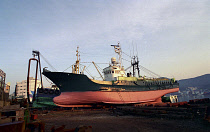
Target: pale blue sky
{"x": 171, "y": 37}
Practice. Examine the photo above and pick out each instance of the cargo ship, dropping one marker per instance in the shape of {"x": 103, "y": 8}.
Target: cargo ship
{"x": 117, "y": 87}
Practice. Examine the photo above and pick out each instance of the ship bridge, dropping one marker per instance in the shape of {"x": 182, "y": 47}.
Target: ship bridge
{"x": 112, "y": 72}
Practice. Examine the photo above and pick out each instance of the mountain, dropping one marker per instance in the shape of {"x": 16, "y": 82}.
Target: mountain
{"x": 201, "y": 82}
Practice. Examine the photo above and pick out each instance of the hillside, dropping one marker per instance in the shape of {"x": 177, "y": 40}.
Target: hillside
{"x": 201, "y": 82}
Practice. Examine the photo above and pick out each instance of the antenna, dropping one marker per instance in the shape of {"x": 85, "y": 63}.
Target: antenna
{"x": 137, "y": 49}
{"x": 133, "y": 47}
{"x": 130, "y": 49}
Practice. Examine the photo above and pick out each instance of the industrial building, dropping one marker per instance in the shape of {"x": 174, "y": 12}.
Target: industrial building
{"x": 2, "y": 85}
{"x": 21, "y": 87}
{"x": 4, "y": 90}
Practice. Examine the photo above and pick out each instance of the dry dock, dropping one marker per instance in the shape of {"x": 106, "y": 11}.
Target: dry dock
{"x": 107, "y": 121}
{"x": 183, "y": 116}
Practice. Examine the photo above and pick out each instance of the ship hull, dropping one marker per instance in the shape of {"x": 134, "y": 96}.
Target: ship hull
{"x": 67, "y": 99}
{"x": 69, "y": 82}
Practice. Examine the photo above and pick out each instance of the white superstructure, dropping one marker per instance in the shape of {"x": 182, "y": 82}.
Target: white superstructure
{"x": 114, "y": 70}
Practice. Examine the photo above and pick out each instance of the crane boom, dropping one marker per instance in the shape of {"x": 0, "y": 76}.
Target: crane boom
{"x": 83, "y": 69}
{"x": 97, "y": 70}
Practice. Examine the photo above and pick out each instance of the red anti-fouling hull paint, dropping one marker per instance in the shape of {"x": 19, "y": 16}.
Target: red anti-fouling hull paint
{"x": 110, "y": 97}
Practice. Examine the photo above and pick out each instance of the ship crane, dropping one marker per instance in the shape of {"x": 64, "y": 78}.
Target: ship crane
{"x": 38, "y": 69}
{"x": 97, "y": 70}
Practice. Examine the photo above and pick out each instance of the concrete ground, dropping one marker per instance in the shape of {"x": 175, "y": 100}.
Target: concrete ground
{"x": 106, "y": 121}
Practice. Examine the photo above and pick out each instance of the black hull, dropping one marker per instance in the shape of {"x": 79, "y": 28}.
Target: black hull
{"x": 70, "y": 82}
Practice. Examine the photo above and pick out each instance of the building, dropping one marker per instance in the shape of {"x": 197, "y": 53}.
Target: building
{"x": 21, "y": 87}
{"x": 2, "y": 85}
{"x": 6, "y": 91}
{"x": 7, "y": 88}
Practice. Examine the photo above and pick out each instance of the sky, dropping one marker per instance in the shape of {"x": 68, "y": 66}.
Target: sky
{"x": 170, "y": 38}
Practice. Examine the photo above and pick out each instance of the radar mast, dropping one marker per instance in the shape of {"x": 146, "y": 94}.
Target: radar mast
{"x": 118, "y": 50}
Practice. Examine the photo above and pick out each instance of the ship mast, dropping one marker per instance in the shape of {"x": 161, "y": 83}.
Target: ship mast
{"x": 135, "y": 64}
{"x": 118, "y": 50}
{"x": 75, "y": 68}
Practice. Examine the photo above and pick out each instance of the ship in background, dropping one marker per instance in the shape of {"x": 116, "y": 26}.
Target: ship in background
{"x": 117, "y": 87}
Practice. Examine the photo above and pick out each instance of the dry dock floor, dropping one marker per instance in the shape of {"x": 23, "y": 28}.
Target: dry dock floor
{"x": 106, "y": 121}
